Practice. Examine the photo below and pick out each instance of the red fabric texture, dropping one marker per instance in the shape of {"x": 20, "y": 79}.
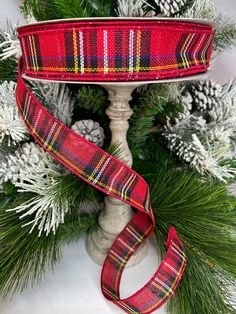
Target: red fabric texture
{"x": 115, "y": 50}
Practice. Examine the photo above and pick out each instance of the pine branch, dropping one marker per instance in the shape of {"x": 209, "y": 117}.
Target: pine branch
{"x": 11, "y": 124}
{"x": 211, "y": 296}
{"x": 202, "y": 9}
{"x": 75, "y": 8}
{"x": 204, "y": 216}
{"x": 55, "y": 9}
{"x": 115, "y": 150}
{"x": 58, "y": 9}
{"x": 72, "y": 230}
{"x": 56, "y": 97}
{"x": 153, "y": 103}
{"x": 155, "y": 151}
{"x": 103, "y": 7}
{"x": 132, "y": 8}
{"x": 225, "y": 33}
{"x": 203, "y": 135}
{"x": 92, "y": 98}
{"x": 55, "y": 196}
{"x": 8, "y": 68}
{"x": 25, "y": 257}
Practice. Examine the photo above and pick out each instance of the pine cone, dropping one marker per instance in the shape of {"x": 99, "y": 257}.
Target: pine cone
{"x": 206, "y": 95}
{"x": 90, "y": 130}
{"x": 27, "y": 155}
{"x": 169, "y": 7}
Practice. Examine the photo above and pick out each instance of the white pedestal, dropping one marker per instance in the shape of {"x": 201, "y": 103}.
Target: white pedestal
{"x": 116, "y": 213}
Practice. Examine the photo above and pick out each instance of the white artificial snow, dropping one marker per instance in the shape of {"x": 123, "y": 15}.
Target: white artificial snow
{"x": 11, "y": 124}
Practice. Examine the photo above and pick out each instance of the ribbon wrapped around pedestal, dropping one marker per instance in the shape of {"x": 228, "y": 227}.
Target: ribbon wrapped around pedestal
{"x": 112, "y": 50}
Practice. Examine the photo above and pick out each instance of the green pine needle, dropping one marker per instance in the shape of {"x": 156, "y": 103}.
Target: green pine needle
{"x": 24, "y": 256}
{"x": 199, "y": 290}
{"x": 49, "y": 10}
{"x": 92, "y": 98}
{"x": 8, "y": 68}
{"x": 116, "y": 150}
{"x": 143, "y": 117}
{"x": 204, "y": 216}
{"x": 75, "y": 190}
{"x": 91, "y": 104}
{"x": 157, "y": 101}
{"x": 59, "y": 9}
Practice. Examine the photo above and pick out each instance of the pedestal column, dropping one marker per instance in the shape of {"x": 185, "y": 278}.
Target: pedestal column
{"x": 116, "y": 213}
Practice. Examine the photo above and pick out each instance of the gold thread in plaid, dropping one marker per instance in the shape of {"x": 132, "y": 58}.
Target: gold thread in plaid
{"x": 103, "y": 52}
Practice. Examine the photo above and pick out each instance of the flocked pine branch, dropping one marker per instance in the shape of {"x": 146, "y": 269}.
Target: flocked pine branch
{"x": 54, "y": 196}
{"x": 132, "y": 8}
{"x": 11, "y": 124}
{"x": 53, "y": 191}
{"x": 225, "y": 26}
{"x": 229, "y": 89}
{"x": 57, "y": 99}
{"x": 25, "y": 257}
{"x": 203, "y": 135}
{"x": 225, "y": 33}
{"x": 9, "y": 46}
{"x": 202, "y": 9}
{"x": 47, "y": 209}
{"x": 34, "y": 171}
{"x": 8, "y": 67}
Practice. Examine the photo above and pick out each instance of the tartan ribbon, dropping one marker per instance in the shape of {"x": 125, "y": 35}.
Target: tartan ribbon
{"x": 94, "y": 165}
{"x": 115, "y": 50}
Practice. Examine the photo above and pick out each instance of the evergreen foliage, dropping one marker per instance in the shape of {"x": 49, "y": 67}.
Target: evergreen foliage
{"x": 24, "y": 256}
{"x": 204, "y": 216}
{"x": 203, "y": 9}
{"x": 225, "y": 33}
{"x": 8, "y": 68}
{"x": 92, "y": 98}
{"x": 157, "y": 101}
{"x": 54, "y": 196}
{"x": 57, "y": 9}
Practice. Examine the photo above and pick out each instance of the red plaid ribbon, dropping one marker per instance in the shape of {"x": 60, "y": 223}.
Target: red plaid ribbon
{"x": 115, "y": 50}
{"x": 77, "y": 51}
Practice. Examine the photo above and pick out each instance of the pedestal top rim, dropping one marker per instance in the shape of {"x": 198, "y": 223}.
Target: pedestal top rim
{"x": 190, "y": 20}
{"x": 124, "y": 83}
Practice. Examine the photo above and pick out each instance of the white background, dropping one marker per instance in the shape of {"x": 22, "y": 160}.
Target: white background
{"x": 74, "y": 286}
